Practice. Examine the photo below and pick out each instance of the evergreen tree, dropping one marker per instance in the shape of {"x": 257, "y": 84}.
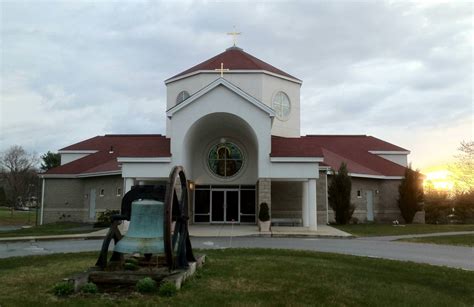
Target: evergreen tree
{"x": 339, "y": 193}
{"x": 410, "y": 194}
{"x": 50, "y": 160}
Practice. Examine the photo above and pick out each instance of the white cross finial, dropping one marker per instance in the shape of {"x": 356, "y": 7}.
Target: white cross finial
{"x": 234, "y": 35}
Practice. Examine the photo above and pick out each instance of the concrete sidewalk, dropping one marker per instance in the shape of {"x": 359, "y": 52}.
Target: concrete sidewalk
{"x": 224, "y": 230}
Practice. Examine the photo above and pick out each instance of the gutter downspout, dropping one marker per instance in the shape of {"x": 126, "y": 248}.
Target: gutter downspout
{"x": 327, "y": 201}
{"x": 42, "y": 201}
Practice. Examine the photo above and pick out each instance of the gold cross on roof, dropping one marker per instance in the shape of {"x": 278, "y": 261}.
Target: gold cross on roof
{"x": 234, "y": 35}
{"x": 221, "y": 70}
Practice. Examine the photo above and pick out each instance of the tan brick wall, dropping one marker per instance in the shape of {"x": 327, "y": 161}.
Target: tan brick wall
{"x": 63, "y": 200}
{"x": 68, "y": 199}
{"x": 287, "y": 199}
{"x": 385, "y": 201}
{"x": 110, "y": 184}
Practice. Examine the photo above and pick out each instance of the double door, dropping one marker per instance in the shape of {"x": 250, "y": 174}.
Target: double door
{"x": 225, "y": 206}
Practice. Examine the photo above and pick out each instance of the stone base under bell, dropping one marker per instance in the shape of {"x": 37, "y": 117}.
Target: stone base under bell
{"x": 111, "y": 279}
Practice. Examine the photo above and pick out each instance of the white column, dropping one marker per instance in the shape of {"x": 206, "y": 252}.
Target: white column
{"x": 305, "y": 204}
{"x": 313, "y": 222}
{"x": 129, "y": 182}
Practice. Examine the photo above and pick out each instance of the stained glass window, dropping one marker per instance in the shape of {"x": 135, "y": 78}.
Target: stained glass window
{"x": 225, "y": 159}
{"x": 282, "y": 105}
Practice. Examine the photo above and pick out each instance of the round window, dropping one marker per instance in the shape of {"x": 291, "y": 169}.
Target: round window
{"x": 182, "y": 96}
{"x": 225, "y": 159}
{"x": 282, "y": 105}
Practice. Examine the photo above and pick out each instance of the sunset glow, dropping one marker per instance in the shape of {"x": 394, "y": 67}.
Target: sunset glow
{"x": 439, "y": 180}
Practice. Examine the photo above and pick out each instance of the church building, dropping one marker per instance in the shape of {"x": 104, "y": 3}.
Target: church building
{"x": 233, "y": 123}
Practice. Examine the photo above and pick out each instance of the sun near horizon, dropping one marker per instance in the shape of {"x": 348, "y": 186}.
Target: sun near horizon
{"x": 439, "y": 178}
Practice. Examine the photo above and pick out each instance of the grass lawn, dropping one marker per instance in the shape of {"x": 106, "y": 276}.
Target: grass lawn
{"x": 370, "y": 230}
{"x": 50, "y": 229}
{"x": 18, "y": 217}
{"x": 465, "y": 240}
{"x": 255, "y": 277}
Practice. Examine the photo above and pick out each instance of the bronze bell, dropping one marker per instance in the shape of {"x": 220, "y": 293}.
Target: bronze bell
{"x": 145, "y": 233}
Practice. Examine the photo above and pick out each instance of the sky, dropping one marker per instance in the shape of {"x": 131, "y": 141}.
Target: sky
{"x": 401, "y": 71}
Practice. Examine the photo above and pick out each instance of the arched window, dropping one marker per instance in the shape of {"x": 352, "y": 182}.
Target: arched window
{"x": 225, "y": 159}
{"x": 182, "y": 96}
{"x": 282, "y": 106}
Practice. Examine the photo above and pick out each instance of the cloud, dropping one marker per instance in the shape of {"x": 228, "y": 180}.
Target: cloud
{"x": 396, "y": 70}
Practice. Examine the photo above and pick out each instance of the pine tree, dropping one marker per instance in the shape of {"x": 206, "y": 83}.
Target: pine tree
{"x": 410, "y": 194}
{"x": 339, "y": 193}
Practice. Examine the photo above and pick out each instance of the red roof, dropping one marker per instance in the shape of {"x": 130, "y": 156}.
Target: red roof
{"x": 108, "y": 148}
{"x": 352, "y": 149}
{"x": 234, "y": 58}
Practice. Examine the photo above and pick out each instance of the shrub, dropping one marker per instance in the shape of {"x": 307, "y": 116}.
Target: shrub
{"x": 263, "y": 213}
{"x": 339, "y": 193}
{"x": 464, "y": 207}
{"x": 90, "y": 287}
{"x": 146, "y": 285}
{"x": 63, "y": 288}
{"x": 167, "y": 289}
{"x": 130, "y": 266}
{"x": 438, "y": 207}
{"x": 410, "y": 194}
{"x": 105, "y": 218}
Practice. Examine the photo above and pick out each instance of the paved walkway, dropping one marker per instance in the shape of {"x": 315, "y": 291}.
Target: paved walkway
{"x": 436, "y": 234}
{"x": 443, "y": 255}
{"x": 326, "y": 239}
{"x": 211, "y": 231}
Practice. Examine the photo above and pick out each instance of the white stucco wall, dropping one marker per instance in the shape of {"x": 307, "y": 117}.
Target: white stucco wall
{"x": 146, "y": 170}
{"x": 221, "y": 100}
{"x": 399, "y": 159}
{"x": 259, "y": 85}
{"x": 69, "y": 157}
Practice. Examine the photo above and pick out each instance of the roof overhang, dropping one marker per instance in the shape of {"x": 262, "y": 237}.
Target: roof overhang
{"x": 77, "y": 151}
{"x": 236, "y": 71}
{"x": 144, "y": 159}
{"x": 296, "y": 159}
{"x": 228, "y": 85}
{"x": 389, "y": 152}
{"x": 82, "y": 175}
{"x": 370, "y": 176}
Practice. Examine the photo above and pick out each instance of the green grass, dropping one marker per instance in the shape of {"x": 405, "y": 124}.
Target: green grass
{"x": 370, "y": 230}
{"x": 50, "y": 229}
{"x": 463, "y": 240}
{"x": 17, "y": 218}
{"x": 255, "y": 277}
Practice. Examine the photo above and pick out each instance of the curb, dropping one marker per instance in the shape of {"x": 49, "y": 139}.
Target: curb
{"x": 50, "y": 238}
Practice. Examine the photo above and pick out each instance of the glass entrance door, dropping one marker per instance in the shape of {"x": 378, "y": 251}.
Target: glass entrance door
{"x": 225, "y": 206}
{"x": 232, "y": 206}
{"x": 217, "y": 206}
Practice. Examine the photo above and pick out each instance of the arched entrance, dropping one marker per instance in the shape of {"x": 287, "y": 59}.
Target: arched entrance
{"x": 222, "y": 162}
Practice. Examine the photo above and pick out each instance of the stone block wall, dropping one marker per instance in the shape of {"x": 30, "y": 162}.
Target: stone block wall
{"x": 287, "y": 199}
{"x": 63, "y": 201}
{"x": 68, "y": 199}
{"x": 264, "y": 193}
{"x": 385, "y": 195}
{"x": 321, "y": 199}
{"x": 111, "y": 198}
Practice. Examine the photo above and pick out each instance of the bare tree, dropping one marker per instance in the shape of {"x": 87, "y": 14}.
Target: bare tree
{"x": 463, "y": 168}
{"x": 18, "y": 172}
